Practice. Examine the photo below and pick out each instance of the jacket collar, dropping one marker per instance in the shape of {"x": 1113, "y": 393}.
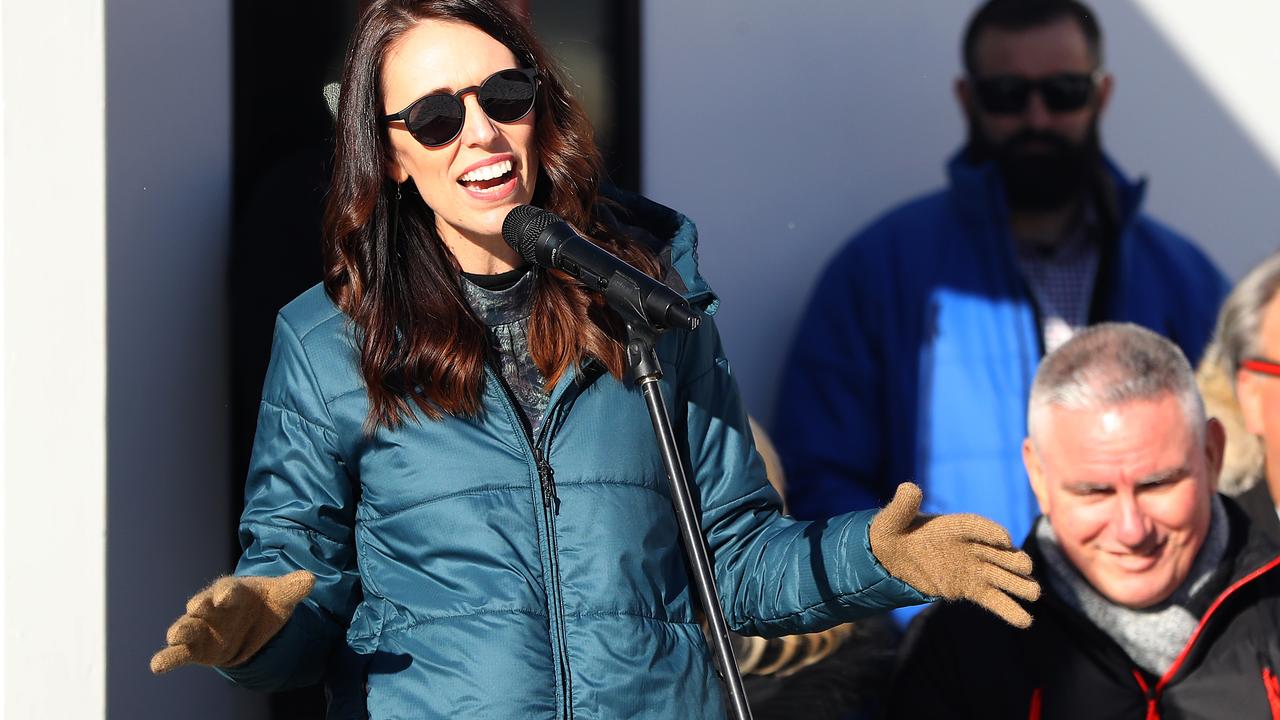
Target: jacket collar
{"x": 977, "y": 191}
{"x": 1251, "y": 556}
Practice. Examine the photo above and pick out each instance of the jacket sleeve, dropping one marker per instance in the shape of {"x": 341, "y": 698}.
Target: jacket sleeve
{"x": 776, "y": 575}
{"x": 299, "y": 514}
{"x": 829, "y": 423}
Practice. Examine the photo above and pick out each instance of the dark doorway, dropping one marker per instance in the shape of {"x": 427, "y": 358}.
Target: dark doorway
{"x": 284, "y": 53}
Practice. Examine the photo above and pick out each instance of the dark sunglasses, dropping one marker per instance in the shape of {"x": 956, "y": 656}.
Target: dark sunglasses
{"x": 436, "y": 119}
{"x": 1010, "y": 94}
{"x": 1261, "y": 365}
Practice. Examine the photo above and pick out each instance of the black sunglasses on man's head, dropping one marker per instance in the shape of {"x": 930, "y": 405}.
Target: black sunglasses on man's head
{"x": 1010, "y": 94}
{"x": 436, "y": 119}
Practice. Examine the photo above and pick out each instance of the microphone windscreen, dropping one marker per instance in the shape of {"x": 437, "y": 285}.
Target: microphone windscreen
{"x": 521, "y": 228}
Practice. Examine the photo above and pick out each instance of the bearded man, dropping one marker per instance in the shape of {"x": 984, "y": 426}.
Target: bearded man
{"x": 916, "y": 355}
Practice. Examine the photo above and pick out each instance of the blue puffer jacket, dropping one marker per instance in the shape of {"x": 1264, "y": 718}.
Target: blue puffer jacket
{"x": 455, "y": 581}
{"x": 916, "y": 355}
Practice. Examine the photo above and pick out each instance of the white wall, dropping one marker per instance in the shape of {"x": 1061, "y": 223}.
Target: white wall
{"x": 168, "y": 225}
{"x": 115, "y": 189}
{"x": 781, "y": 128}
{"x": 1229, "y": 46}
{"x": 54, "y": 350}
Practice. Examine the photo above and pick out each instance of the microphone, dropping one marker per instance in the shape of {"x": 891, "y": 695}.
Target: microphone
{"x": 544, "y": 239}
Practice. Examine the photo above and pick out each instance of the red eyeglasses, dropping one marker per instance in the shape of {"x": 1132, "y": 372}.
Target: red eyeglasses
{"x": 1262, "y": 365}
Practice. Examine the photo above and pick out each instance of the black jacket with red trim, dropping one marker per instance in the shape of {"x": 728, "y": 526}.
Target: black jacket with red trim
{"x": 959, "y": 661}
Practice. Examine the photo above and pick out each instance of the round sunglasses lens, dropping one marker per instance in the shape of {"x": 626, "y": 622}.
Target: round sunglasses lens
{"x": 435, "y": 119}
{"x": 1067, "y": 93}
{"x": 1003, "y": 96}
{"x": 507, "y": 96}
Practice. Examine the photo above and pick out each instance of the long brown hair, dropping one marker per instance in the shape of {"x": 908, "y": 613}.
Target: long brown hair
{"x": 388, "y": 270}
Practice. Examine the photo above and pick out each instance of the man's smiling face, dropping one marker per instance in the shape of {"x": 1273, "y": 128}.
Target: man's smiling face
{"x": 1128, "y": 490}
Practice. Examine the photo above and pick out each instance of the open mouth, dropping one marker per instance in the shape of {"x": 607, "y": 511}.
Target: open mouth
{"x": 489, "y": 177}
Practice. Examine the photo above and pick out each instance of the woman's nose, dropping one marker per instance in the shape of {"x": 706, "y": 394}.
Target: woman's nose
{"x": 477, "y": 128}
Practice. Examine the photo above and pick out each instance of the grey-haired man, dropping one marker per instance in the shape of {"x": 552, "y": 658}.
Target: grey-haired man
{"x": 1160, "y": 598}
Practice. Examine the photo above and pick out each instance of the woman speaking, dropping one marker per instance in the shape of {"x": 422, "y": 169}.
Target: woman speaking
{"x": 455, "y": 506}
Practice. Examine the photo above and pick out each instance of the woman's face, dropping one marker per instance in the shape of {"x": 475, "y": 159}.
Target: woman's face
{"x": 436, "y": 56}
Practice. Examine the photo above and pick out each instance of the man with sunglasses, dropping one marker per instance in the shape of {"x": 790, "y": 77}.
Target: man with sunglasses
{"x": 916, "y": 355}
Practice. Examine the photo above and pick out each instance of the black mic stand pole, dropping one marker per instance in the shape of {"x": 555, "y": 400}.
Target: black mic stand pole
{"x": 646, "y": 371}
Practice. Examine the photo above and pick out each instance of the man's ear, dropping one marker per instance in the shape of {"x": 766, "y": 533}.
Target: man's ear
{"x": 964, "y": 96}
{"x": 1105, "y": 86}
{"x": 1035, "y": 471}
{"x": 1249, "y": 395}
{"x": 1215, "y": 446}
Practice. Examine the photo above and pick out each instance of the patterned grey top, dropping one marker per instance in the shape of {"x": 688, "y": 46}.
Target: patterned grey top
{"x": 1061, "y": 276}
{"x": 506, "y": 313}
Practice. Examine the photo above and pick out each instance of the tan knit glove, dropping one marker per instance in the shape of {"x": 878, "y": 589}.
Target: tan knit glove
{"x": 229, "y": 621}
{"x": 958, "y": 556}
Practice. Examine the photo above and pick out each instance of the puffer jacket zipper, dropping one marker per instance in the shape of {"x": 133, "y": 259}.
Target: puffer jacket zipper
{"x": 550, "y": 508}
{"x": 1153, "y": 694}
{"x": 540, "y": 449}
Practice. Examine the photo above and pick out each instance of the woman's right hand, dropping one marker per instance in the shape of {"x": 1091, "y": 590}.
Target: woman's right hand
{"x": 958, "y": 556}
{"x": 229, "y": 621}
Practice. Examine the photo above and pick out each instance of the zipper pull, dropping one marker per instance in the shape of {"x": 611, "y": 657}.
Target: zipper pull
{"x": 1152, "y": 693}
{"x": 546, "y": 478}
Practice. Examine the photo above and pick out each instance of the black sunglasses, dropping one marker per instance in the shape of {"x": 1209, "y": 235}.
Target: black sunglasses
{"x": 1010, "y": 94}
{"x": 436, "y": 119}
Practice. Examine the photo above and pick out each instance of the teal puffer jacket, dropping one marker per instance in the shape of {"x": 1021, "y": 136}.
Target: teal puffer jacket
{"x": 454, "y": 580}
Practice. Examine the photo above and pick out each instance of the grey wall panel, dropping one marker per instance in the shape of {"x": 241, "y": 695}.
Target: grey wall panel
{"x": 168, "y": 218}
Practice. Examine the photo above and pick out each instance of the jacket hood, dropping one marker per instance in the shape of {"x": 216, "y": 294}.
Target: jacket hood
{"x": 671, "y": 236}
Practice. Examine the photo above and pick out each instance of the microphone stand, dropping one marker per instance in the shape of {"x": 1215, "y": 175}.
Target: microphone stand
{"x": 646, "y": 371}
